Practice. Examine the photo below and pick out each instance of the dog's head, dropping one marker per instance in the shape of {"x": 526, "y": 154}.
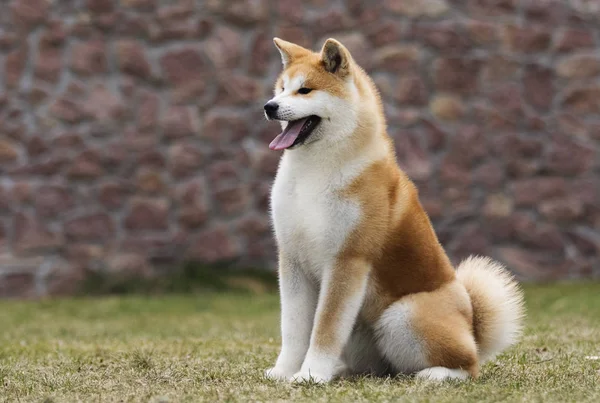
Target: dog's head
{"x": 315, "y": 95}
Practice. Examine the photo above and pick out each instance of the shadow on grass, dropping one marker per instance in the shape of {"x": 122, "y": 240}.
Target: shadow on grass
{"x": 189, "y": 278}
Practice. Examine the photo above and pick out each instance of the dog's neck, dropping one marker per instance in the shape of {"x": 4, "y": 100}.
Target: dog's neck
{"x": 345, "y": 157}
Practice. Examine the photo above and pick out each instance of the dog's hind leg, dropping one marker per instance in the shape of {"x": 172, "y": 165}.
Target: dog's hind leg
{"x": 397, "y": 340}
{"x": 430, "y": 334}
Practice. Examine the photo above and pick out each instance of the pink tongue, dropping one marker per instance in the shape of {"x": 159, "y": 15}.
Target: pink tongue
{"x": 288, "y": 136}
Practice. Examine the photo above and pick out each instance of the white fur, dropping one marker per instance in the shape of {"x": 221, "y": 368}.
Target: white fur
{"x": 298, "y": 302}
{"x": 312, "y": 222}
{"x": 319, "y": 367}
{"x": 285, "y": 59}
{"x": 398, "y": 342}
{"x": 496, "y": 284}
{"x": 442, "y": 374}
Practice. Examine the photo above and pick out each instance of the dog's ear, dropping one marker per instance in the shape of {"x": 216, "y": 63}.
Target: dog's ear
{"x": 289, "y": 51}
{"x": 335, "y": 58}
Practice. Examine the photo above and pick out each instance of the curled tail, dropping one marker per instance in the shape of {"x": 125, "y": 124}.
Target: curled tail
{"x": 497, "y": 301}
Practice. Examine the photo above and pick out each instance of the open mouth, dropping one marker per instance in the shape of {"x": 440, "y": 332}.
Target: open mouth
{"x": 296, "y": 132}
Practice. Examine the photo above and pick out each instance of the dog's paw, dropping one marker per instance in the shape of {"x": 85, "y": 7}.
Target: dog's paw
{"x": 277, "y": 374}
{"x": 310, "y": 377}
{"x": 439, "y": 374}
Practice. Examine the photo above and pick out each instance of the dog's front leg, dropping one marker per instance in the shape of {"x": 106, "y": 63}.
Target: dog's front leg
{"x": 298, "y": 305}
{"x": 341, "y": 297}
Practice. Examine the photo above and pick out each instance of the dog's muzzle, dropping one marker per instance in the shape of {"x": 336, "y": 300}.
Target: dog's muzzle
{"x": 271, "y": 109}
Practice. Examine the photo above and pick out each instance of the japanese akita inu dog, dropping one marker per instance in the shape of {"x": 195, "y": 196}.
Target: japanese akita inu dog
{"x": 366, "y": 287}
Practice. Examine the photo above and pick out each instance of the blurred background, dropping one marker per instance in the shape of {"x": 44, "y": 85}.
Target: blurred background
{"x": 133, "y": 144}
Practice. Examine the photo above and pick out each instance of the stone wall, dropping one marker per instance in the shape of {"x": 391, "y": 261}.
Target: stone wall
{"x": 132, "y": 136}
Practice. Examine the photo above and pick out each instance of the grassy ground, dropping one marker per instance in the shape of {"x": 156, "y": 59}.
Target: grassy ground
{"x": 214, "y": 347}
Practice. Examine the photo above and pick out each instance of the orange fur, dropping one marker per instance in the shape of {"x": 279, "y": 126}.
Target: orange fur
{"x": 348, "y": 276}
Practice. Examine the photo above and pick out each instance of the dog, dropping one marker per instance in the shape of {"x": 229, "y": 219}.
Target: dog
{"x": 365, "y": 285}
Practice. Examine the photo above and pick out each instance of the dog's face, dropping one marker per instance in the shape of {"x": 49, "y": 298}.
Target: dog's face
{"x": 314, "y": 95}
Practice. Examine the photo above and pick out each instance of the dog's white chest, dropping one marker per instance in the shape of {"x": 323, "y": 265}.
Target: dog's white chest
{"x": 312, "y": 219}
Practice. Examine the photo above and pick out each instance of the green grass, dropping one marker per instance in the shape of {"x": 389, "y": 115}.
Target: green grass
{"x": 215, "y": 346}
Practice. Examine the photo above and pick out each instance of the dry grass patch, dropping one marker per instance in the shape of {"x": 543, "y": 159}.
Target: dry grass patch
{"x": 214, "y": 347}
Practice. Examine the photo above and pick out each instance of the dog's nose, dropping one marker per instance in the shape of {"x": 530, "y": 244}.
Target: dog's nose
{"x": 271, "y": 108}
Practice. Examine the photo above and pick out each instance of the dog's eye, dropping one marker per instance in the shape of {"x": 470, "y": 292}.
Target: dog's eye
{"x": 304, "y": 90}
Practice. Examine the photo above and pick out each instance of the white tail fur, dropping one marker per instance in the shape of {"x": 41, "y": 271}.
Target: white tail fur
{"x": 497, "y": 300}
